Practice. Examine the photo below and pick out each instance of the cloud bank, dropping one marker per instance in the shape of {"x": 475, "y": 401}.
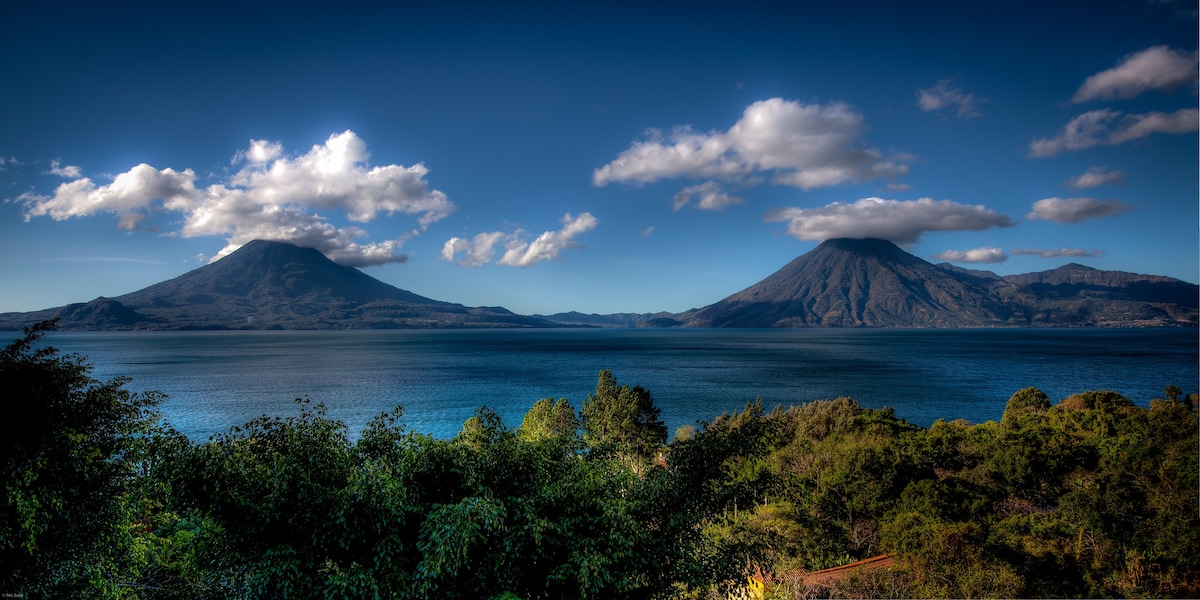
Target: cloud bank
{"x": 272, "y": 196}
{"x": 987, "y": 254}
{"x": 1106, "y": 127}
{"x": 1156, "y": 68}
{"x": 944, "y": 95}
{"x": 899, "y": 221}
{"x": 480, "y": 249}
{"x": 800, "y": 145}
{"x": 1057, "y": 253}
{"x": 1074, "y": 210}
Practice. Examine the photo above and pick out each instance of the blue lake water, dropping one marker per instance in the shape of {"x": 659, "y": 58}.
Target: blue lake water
{"x": 216, "y": 380}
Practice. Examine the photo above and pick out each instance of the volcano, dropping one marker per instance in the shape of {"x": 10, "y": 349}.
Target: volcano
{"x": 874, "y": 283}
{"x": 272, "y": 285}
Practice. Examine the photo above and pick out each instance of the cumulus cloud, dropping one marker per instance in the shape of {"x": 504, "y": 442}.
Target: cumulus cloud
{"x": 480, "y": 249}
{"x": 1075, "y": 210}
{"x": 1106, "y": 127}
{"x": 987, "y": 254}
{"x": 1156, "y": 68}
{"x": 801, "y": 145}
{"x": 900, "y": 221}
{"x": 272, "y": 196}
{"x": 1057, "y": 253}
{"x": 945, "y": 95}
{"x": 477, "y": 251}
{"x": 68, "y": 171}
{"x": 1096, "y": 177}
{"x": 709, "y": 196}
{"x": 130, "y": 196}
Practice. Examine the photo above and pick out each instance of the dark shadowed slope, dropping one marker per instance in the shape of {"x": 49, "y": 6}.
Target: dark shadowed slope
{"x": 262, "y": 273}
{"x": 857, "y": 283}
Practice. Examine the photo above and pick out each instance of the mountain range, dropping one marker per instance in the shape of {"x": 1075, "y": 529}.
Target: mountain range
{"x": 873, "y": 283}
{"x": 840, "y": 283}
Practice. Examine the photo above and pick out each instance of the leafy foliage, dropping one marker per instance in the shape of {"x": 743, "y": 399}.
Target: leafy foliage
{"x": 1092, "y": 496}
{"x": 69, "y": 449}
{"x": 622, "y": 419}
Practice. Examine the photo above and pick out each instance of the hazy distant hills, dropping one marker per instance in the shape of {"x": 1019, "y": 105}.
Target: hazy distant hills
{"x": 658, "y": 319}
{"x": 271, "y": 285}
{"x": 873, "y": 283}
{"x": 840, "y": 283}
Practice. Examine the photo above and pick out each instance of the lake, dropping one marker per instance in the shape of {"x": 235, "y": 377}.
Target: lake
{"x": 216, "y": 380}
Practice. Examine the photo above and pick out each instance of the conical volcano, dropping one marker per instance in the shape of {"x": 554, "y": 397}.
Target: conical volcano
{"x": 857, "y": 283}
{"x": 272, "y": 285}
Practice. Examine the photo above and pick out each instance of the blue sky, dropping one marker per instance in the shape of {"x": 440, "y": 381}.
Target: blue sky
{"x": 599, "y": 157}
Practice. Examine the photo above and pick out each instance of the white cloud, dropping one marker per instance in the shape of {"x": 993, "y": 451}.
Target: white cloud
{"x": 478, "y": 251}
{"x": 1109, "y": 127}
{"x": 647, "y": 231}
{"x": 1096, "y": 177}
{"x": 68, "y": 171}
{"x": 130, "y": 195}
{"x": 801, "y": 145}
{"x": 944, "y": 95}
{"x": 549, "y": 244}
{"x": 260, "y": 152}
{"x": 710, "y": 196}
{"x": 987, "y": 254}
{"x": 517, "y": 252}
{"x": 273, "y": 197}
{"x": 335, "y": 176}
{"x": 1156, "y": 68}
{"x": 899, "y": 187}
{"x": 900, "y": 221}
{"x": 1057, "y": 253}
{"x": 1074, "y": 210}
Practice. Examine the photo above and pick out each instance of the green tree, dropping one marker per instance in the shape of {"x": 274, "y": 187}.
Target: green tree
{"x": 69, "y": 448}
{"x": 275, "y": 490}
{"x": 1024, "y": 401}
{"x": 548, "y": 420}
{"x": 622, "y": 419}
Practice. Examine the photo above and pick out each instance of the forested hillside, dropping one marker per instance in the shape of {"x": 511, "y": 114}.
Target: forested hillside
{"x": 1088, "y": 495}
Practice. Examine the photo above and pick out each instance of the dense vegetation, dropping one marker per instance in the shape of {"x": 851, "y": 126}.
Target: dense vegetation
{"x": 1092, "y": 496}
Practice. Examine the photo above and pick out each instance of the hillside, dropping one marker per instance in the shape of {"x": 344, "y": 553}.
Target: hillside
{"x": 271, "y": 285}
{"x": 873, "y": 283}
{"x": 840, "y": 283}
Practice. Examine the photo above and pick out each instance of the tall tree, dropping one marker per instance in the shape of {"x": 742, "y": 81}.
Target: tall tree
{"x": 68, "y": 450}
{"x": 548, "y": 420}
{"x": 622, "y": 418}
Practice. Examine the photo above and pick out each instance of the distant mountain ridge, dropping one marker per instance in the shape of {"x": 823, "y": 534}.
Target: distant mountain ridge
{"x": 658, "y": 319}
{"x": 840, "y": 283}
